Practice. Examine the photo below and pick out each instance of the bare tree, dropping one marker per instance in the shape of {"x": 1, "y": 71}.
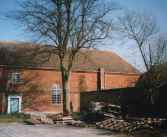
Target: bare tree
{"x": 156, "y": 57}
{"x": 69, "y": 26}
{"x": 143, "y": 29}
{"x": 140, "y": 28}
{"x": 157, "y": 50}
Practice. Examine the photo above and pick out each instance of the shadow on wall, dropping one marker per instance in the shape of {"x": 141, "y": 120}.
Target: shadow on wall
{"x": 82, "y": 83}
{"x": 35, "y": 94}
{"x": 15, "y": 55}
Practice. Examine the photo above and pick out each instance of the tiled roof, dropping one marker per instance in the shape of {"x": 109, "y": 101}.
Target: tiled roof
{"x": 86, "y": 60}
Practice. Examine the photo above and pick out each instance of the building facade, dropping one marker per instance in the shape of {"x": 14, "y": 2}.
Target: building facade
{"x": 39, "y": 89}
{"x": 29, "y": 89}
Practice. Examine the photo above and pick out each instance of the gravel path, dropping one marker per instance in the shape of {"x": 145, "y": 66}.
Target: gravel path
{"x": 20, "y": 130}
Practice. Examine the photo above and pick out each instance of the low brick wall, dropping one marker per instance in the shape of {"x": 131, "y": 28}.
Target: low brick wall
{"x": 130, "y": 99}
{"x": 134, "y": 101}
{"x": 113, "y": 96}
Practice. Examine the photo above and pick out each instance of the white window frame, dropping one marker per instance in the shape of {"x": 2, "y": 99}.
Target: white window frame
{"x": 15, "y": 77}
{"x": 56, "y": 94}
{"x": 9, "y": 99}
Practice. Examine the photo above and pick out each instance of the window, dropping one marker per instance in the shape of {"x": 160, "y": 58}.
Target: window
{"x": 14, "y": 77}
{"x": 56, "y": 94}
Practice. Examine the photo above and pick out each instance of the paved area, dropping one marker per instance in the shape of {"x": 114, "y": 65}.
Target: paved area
{"x": 20, "y": 130}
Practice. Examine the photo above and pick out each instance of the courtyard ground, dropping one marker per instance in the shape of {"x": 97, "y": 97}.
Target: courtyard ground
{"x": 21, "y": 130}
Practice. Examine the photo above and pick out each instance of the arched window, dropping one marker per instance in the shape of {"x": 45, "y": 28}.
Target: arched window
{"x": 56, "y": 94}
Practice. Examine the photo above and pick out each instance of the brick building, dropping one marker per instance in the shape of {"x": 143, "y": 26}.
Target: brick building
{"x": 34, "y": 87}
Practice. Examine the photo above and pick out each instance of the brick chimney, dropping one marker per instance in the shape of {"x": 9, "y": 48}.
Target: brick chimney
{"x": 100, "y": 79}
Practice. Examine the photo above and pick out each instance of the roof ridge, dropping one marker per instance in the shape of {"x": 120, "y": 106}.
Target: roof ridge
{"x": 108, "y": 60}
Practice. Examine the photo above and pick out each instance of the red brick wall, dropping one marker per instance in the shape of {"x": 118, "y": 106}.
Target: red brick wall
{"x": 36, "y": 89}
{"x": 0, "y": 102}
{"x": 81, "y": 82}
{"x": 87, "y": 82}
{"x": 3, "y": 73}
{"x": 120, "y": 80}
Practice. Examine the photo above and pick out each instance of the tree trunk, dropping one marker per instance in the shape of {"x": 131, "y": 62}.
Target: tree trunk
{"x": 66, "y": 94}
{"x": 144, "y": 59}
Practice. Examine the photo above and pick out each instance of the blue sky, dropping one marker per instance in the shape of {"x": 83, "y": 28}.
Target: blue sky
{"x": 10, "y": 30}
{"x": 157, "y": 8}
{"x": 128, "y": 49}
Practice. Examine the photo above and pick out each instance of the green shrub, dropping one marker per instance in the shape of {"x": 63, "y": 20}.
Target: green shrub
{"x": 88, "y": 117}
{"x": 92, "y": 117}
{"x": 76, "y": 115}
{"x": 8, "y": 118}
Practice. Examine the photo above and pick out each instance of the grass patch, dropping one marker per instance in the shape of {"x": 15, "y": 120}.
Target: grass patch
{"x": 11, "y": 118}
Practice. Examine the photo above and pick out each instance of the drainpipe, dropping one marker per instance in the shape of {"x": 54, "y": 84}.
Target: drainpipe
{"x": 100, "y": 79}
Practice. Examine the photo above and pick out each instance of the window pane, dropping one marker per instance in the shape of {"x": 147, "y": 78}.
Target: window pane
{"x": 14, "y": 77}
{"x": 56, "y": 94}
